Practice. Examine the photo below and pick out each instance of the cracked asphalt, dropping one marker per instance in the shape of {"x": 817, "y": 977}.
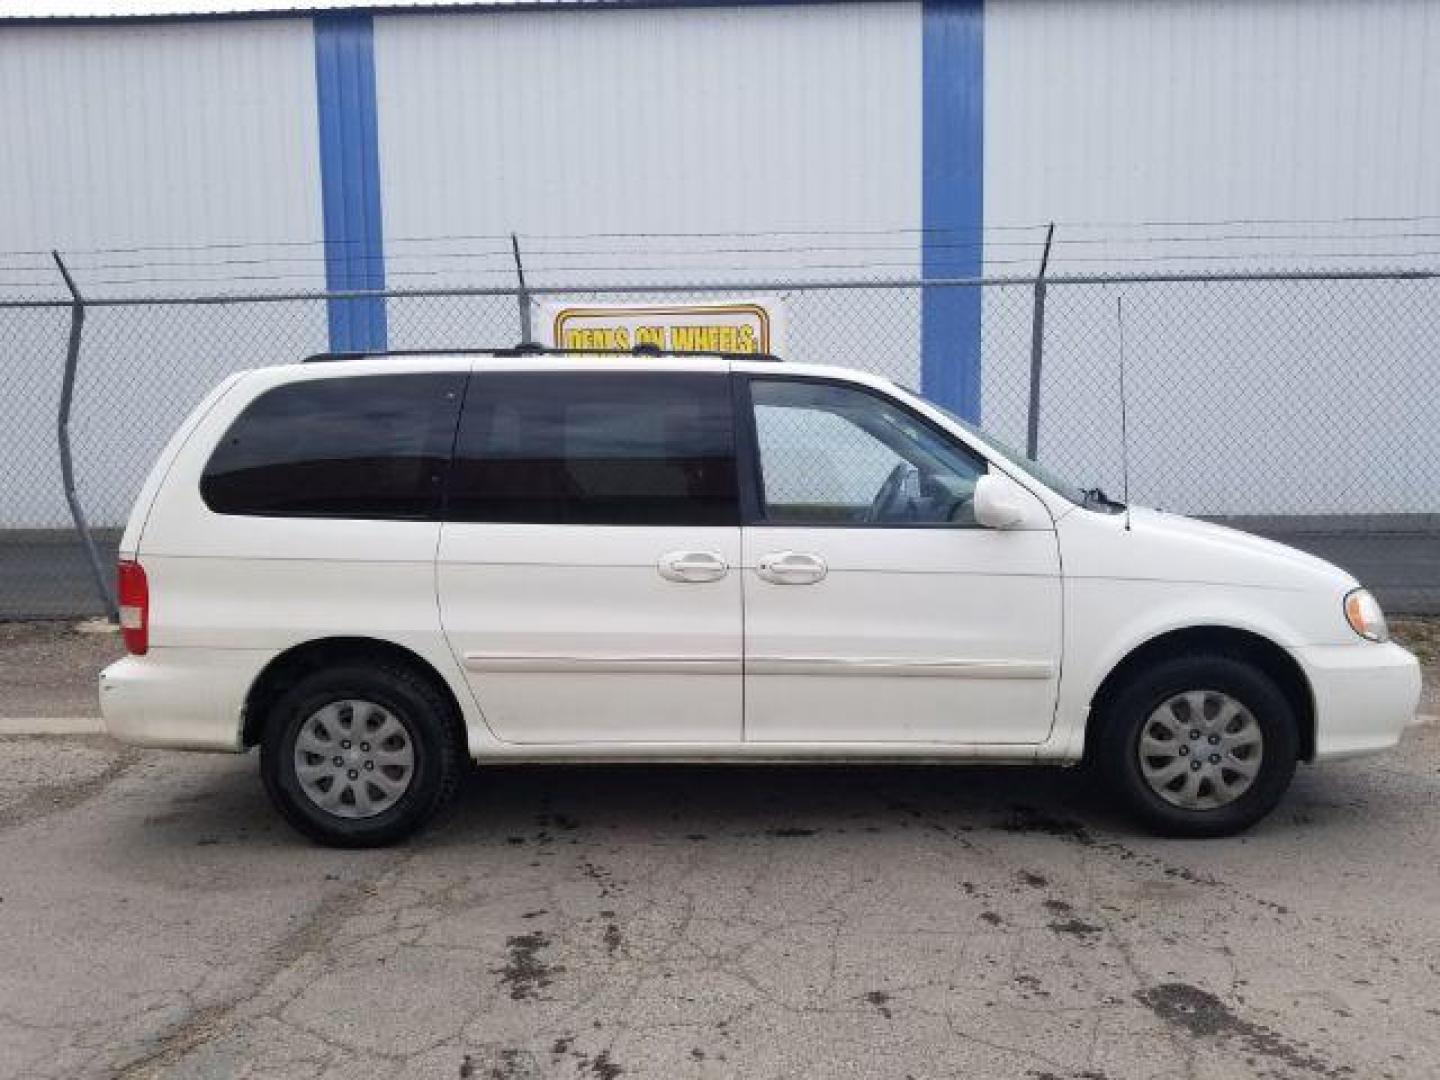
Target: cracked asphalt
{"x": 158, "y": 920}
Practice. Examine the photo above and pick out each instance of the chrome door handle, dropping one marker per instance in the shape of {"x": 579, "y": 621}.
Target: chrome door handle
{"x": 692, "y": 566}
{"x": 791, "y": 568}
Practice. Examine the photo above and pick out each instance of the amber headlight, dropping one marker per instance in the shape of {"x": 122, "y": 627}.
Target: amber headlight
{"x": 1362, "y": 612}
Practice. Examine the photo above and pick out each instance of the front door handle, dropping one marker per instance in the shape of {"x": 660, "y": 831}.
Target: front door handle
{"x": 692, "y": 566}
{"x": 791, "y": 568}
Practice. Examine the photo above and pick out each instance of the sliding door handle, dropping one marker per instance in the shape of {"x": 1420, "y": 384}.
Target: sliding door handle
{"x": 692, "y": 566}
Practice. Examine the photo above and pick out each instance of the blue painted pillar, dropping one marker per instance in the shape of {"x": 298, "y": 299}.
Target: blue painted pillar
{"x": 350, "y": 178}
{"x": 953, "y": 199}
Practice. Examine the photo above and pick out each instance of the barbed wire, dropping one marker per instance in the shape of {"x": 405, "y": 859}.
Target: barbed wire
{"x": 561, "y": 259}
{"x": 981, "y": 231}
{"x": 1060, "y": 242}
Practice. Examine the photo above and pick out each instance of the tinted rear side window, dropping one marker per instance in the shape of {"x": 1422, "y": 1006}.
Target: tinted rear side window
{"x": 372, "y": 446}
{"x": 596, "y": 449}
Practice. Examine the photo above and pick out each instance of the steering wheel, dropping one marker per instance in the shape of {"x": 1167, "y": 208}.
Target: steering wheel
{"x": 962, "y": 509}
{"x": 890, "y": 499}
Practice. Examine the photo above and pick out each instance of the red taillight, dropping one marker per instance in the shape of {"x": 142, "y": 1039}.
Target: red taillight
{"x": 134, "y": 597}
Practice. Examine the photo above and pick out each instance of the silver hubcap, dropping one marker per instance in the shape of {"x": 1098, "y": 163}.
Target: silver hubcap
{"x": 354, "y": 759}
{"x": 1200, "y": 750}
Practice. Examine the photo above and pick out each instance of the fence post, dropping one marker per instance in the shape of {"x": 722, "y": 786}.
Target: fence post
{"x": 522, "y": 295}
{"x": 67, "y": 465}
{"x": 1037, "y": 349}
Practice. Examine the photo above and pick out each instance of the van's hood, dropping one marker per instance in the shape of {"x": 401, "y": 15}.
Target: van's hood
{"x": 1161, "y": 546}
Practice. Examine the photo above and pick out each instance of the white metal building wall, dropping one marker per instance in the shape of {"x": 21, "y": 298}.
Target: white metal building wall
{"x": 172, "y": 133}
{"x": 1209, "y": 110}
{"x": 694, "y": 120}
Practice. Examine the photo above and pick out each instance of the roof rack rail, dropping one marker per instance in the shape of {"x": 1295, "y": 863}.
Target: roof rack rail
{"x": 527, "y": 349}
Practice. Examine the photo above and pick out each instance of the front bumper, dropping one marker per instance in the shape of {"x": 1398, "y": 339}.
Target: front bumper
{"x": 1365, "y": 696}
{"x": 182, "y": 699}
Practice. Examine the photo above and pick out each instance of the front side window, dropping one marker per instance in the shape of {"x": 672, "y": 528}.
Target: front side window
{"x": 837, "y": 455}
{"x": 595, "y": 449}
{"x": 372, "y": 447}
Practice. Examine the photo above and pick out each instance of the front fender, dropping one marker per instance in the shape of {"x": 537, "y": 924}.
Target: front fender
{"x": 1106, "y": 620}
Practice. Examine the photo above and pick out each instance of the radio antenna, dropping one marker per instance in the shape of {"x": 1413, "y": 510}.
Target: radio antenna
{"x": 1124, "y": 425}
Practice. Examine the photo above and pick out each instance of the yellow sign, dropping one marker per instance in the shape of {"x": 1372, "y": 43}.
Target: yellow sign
{"x": 732, "y": 326}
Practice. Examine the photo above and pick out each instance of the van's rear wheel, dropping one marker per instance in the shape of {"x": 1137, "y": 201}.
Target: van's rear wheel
{"x": 1199, "y": 746}
{"x": 358, "y": 756}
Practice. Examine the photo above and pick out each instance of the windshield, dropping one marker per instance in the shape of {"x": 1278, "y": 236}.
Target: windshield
{"x": 1053, "y": 481}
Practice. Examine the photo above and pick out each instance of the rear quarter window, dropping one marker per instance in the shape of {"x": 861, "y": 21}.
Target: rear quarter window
{"x": 371, "y": 446}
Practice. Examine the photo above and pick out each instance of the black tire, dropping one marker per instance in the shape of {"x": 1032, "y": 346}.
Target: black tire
{"x": 1127, "y": 712}
{"x": 428, "y": 718}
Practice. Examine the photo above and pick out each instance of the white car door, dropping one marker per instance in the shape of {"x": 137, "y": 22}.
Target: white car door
{"x": 876, "y": 611}
{"x": 587, "y": 565}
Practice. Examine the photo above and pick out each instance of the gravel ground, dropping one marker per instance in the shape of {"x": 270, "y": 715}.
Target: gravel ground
{"x": 157, "y": 920}
{"x": 49, "y": 668}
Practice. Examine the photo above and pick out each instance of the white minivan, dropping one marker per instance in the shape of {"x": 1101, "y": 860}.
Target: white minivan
{"x": 374, "y": 568}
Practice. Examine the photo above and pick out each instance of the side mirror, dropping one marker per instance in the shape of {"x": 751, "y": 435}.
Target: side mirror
{"x": 998, "y": 501}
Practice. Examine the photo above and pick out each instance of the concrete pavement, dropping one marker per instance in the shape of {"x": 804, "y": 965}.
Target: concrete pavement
{"x": 157, "y": 920}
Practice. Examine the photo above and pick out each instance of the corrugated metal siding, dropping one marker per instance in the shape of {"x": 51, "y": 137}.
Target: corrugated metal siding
{"x": 617, "y": 121}
{"x": 1210, "y": 110}
{"x": 168, "y": 134}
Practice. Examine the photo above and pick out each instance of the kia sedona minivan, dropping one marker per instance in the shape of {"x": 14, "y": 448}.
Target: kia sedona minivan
{"x": 374, "y": 568}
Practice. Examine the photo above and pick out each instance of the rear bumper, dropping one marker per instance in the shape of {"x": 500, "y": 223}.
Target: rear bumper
{"x": 183, "y": 699}
{"x": 1365, "y": 696}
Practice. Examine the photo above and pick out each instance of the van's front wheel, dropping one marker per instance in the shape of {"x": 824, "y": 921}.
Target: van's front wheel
{"x": 360, "y": 756}
{"x": 1199, "y": 746}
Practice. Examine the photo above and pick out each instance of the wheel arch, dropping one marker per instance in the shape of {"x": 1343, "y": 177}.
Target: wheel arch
{"x": 1217, "y": 640}
{"x": 300, "y": 660}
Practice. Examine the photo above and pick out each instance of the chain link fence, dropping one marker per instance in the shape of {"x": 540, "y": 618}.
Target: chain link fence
{"x": 1302, "y": 406}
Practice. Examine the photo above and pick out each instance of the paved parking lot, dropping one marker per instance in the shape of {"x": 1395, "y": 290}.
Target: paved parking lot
{"x": 156, "y": 919}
